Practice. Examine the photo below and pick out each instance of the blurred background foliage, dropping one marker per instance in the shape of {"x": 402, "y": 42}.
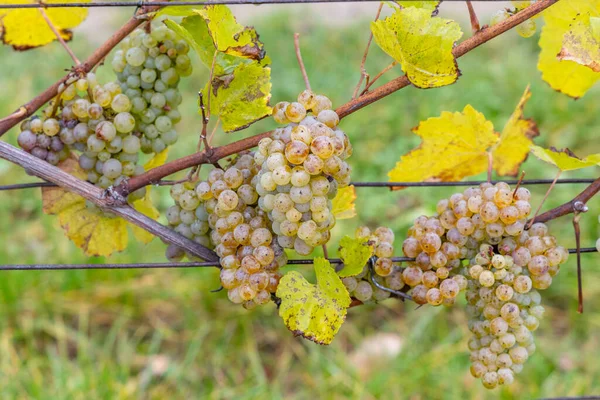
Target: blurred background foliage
{"x": 162, "y": 334}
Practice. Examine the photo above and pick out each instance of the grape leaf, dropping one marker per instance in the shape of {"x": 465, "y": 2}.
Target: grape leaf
{"x": 220, "y": 30}
{"x": 176, "y": 11}
{"x": 564, "y": 159}
{"x": 422, "y": 44}
{"x": 565, "y": 76}
{"x": 343, "y": 206}
{"x": 145, "y": 206}
{"x": 430, "y": 5}
{"x": 241, "y": 81}
{"x": 158, "y": 160}
{"x": 454, "y": 146}
{"x": 582, "y": 45}
{"x": 96, "y": 233}
{"x": 26, "y": 28}
{"x": 354, "y": 253}
{"x": 242, "y": 97}
{"x": 315, "y": 312}
{"x": 194, "y": 31}
{"x": 515, "y": 140}
{"x": 89, "y": 229}
{"x": 229, "y": 36}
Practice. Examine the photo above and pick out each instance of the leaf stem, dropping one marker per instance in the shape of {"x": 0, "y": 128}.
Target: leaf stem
{"x": 300, "y": 62}
{"x": 473, "y": 17}
{"x": 519, "y": 183}
{"x": 59, "y": 37}
{"x": 379, "y": 75}
{"x": 210, "y": 86}
{"x": 363, "y": 71}
{"x": 544, "y": 199}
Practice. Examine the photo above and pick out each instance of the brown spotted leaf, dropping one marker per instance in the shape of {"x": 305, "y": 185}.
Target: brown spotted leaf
{"x": 315, "y": 312}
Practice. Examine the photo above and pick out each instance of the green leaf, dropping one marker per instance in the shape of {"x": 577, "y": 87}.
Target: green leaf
{"x": 242, "y": 97}
{"x": 241, "y": 81}
{"x": 564, "y": 159}
{"x": 431, "y": 6}
{"x": 422, "y": 44}
{"x": 315, "y": 312}
{"x": 176, "y": 11}
{"x": 229, "y": 36}
{"x": 194, "y": 31}
{"x": 354, "y": 253}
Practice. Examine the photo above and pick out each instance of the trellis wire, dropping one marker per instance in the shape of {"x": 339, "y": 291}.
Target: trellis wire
{"x": 58, "y": 267}
{"x": 182, "y": 3}
{"x": 368, "y": 184}
{"x": 31, "y": 267}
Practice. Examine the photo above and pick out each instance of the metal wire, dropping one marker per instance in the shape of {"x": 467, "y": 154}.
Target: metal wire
{"x": 180, "y": 3}
{"x": 26, "y": 186}
{"x": 368, "y": 184}
{"x": 470, "y": 183}
{"x": 59, "y": 267}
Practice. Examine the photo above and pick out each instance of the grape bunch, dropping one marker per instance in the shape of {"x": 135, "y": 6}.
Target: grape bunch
{"x": 301, "y": 168}
{"x": 382, "y": 243}
{"x": 525, "y": 29}
{"x": 148, "y": 68}
{"x": 485, "y": 227}
{"x": 108, "y": 125}
{"x": 102, "y": 134}
{"x": 222, "y": 213}
{"x": 489, "y": 213}
{"x": 503, "y": 303}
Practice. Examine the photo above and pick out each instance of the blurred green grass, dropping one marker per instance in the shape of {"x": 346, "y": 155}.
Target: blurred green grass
{"x": 162, "y": 334}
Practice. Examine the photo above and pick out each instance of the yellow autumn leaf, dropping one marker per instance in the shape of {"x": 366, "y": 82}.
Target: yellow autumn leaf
{"x": 422, "y": 44}
{"x": 90, "y": 230}
{"x": 27, "y": 28}
{"x": 566, "y": 76}
{"x": 97, "y": 233}
{"x": 228, "y": 35}
{"x": 581, "y": 44}
{"x": 145, "y": 206}
{"x": 315, "y": 312}
{"x": 564, "y": 159}
{"x": 158, "y": 160}
{"x": 354, "y": 252}
{"x": 242, "y": 97}
{"x": 454, "y": 145}
{"x": 343, "y": 203}
{"x": 515, "y": 141}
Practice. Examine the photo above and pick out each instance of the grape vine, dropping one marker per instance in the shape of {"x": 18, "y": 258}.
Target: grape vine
{"x": 259, "y": 206}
